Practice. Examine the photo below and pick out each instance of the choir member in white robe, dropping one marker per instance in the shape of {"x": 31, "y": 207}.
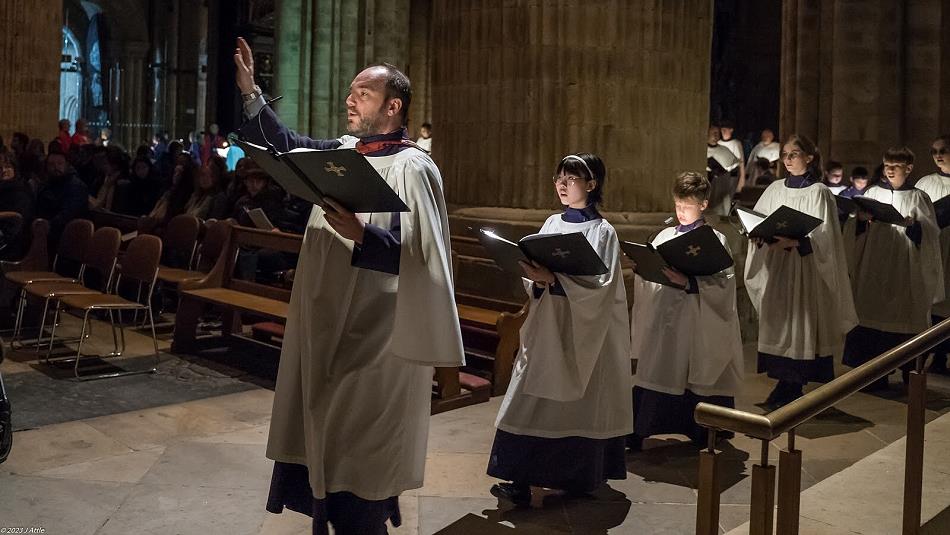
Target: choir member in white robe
{"x": 351, "y": 406}
{"x": 726, "y": 129}
{"x": 859, "y": 181}
{"x": 722, "y": 165}
{"x": 568, "y": 408}
{"x": 896, "y": 271}
{"x": 800, "y": 288}
{"x": 686, "y": 340}
{"x": 937, "y": 187}
{"x": 834, "y": 178}
{"x": 767, "y": 148}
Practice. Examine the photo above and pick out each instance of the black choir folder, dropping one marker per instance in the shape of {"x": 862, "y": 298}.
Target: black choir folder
{"x": 883, "y": 212}
{"x": 697, "y": 253}
{"x": 570, "y": 254}
{"x": 341, "y": 174}
{"x": 786, "y": 222}
{"x": 942, "y": 208}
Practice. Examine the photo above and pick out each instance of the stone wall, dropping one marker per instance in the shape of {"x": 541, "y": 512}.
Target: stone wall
{"x": 30, "y": 46}
{"x": 518, "y": 84}
{"x": 860, "y": 76}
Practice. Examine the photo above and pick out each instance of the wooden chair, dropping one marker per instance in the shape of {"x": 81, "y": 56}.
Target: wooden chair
{"x": 215, "y": 238}
{"x": 72, "y": 248}
{"x": 37, "y": 256}
{"x": 139, "y": 265}
{"x": 100, "y": 260}
{"x": 180, "y": 240}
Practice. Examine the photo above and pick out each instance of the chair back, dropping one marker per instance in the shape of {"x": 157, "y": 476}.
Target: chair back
{"x": 140, "y": 262}
{"x": 179, "y": 240}
{"x": 37, "y": 257}
{"x": 215, "y": 238}
{"x": 102, "y": 252}
{"x": 75, "y": 239}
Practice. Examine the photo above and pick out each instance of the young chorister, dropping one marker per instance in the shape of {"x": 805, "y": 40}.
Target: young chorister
{"x": 860, "y": 181}
{"x": 834, "y": 177}
{"x": 800, "y": 288}
{"x": 896, "y": 270}
{"x": 564, "y": 419}
{"x": 686, "y": 341}
{"x": 937, "y": 186}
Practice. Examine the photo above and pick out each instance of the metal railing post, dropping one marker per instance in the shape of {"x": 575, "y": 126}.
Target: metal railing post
{"x": 914, "y": 454}
{"x": 789, "y": 488}
{"x": 762, "y": 505}
{"x": 707, "y": 503}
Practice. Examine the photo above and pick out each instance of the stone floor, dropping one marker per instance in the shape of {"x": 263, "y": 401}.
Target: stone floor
{"x": 199, "y": 467}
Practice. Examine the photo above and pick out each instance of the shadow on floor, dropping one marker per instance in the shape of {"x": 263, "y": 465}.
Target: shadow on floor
{"x": 677, "y": 463}
{"x": 831, "y": 422}
{"x": 938, "y": 525}
{"x": 604, "y": 509}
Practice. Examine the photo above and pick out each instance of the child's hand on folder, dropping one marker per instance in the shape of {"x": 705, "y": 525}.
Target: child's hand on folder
{"x": 781, "y": 242}
{"x": 675, "y": 277}
{"x": 346, "y": 223}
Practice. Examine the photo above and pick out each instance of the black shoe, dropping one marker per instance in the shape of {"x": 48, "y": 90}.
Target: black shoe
{"x": 783, "y": 394}
{"x": 516, "y": 494}
{"x": 877, "y": 386}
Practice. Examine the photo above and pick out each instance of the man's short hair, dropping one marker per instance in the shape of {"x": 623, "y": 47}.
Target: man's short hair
{"x": 427, "y": 126}
{"x": 691, "y": 185}
{"x": 397, "y": 86}
{"x": 832, "y": 165}
{"x": 899, "y": 155}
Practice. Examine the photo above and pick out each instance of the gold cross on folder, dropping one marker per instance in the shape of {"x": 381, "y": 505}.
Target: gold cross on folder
{"x": 693, "y": 250}
{"x": 560, "y": 253}
{"x": 333, "y": 168}
{"x": 781, "y": 224}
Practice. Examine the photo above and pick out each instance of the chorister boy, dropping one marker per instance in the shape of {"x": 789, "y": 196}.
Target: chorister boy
{"x": 686, "y": 340}
{"x": 896, "y": 270}
{"x": 937, "y": 186}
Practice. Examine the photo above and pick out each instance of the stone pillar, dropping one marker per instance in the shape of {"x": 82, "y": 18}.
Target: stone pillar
{"x": 518, "y": 84}
{"x": 129, "y": 109}
{"x": 322, "y": 45}
{"x": 860, "y": 76}
{"x": 31, "y": 40}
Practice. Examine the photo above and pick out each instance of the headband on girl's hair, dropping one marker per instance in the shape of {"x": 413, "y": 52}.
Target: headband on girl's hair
{"x": 578, "y": 158}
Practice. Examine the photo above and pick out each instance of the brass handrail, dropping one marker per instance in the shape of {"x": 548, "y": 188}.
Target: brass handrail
{"x": 779, "y": 421}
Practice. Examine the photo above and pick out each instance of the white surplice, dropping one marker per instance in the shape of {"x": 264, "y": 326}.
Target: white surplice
{"x": 895, "y": 281}
{"x": 353, "y": 390}
{"x": 937, "y": 186}
{"x": 572, "y": 373}
{"x": 804, "y": 303}
{"x": 687, "y": 341}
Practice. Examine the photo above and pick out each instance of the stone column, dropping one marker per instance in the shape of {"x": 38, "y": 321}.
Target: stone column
{"x": 322, "y": 45}
{"x": 860, "y": 76}
{"x": 31, "y": 40}
{"x": 518, "y": 84}
{"x": 129, "y": 76}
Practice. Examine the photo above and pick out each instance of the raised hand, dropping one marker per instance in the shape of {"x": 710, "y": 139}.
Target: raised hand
{"x": 244, "y": 61}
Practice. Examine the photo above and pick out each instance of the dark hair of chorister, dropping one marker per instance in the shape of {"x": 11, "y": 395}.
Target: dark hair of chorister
{"x": 808, "y": 148}
{"x": 576, "y": 168}
{"x": 691, "y": 185}
{"x": 899, "y": 155}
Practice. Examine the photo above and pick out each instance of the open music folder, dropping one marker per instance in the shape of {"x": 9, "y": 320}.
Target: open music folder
{"x": 341, "y": 174}
{"x": 785, "y": 221}
{"x": 696, "y": 253}
{"x": 570, "y": 254}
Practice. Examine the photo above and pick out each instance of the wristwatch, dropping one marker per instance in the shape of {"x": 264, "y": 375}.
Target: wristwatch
{"x": 253, "y": 95}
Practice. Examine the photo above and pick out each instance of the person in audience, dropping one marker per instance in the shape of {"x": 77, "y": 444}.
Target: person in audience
{"x": 105, "y": 137}
{"x": 209, "y": 201}
{"x": 800, "y": 288}
{"x": 859, "y": 183}
{"x": 64, "y": 138}
{"x": 235, "y": 153}
{"x": 18, "y": 145}
{"x": 62, "y": 197}
{"x": 937, "y": 187}
{"x": 568, "y": 409}
{"x": 685, "y": 338}
{"x": 159, "y": 146}
{"x": 115, "y": 169}
{"x": 425, "y": 137}
{"x": 211, "y": 143}
{"x": 260, "y": 194}
{"x": 182, "y": 185}
{"x": 81, "y": 135}
{"x": 236, "y": 187}
{"x": 834, "y": 177}
{"x": 137, "y": 195}
{"x": 165, "y": 165}
{"x": 194, "y": 148}
{"x": 896, "y": 269}
{"x": 16, "y": 197}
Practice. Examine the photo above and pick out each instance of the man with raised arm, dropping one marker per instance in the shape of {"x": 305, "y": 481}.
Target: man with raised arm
{"x": 372, "y": 311}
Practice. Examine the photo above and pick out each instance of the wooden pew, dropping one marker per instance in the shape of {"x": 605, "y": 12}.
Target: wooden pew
{"x": 233, "y": 296}
{"x": 104, "y": 218}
